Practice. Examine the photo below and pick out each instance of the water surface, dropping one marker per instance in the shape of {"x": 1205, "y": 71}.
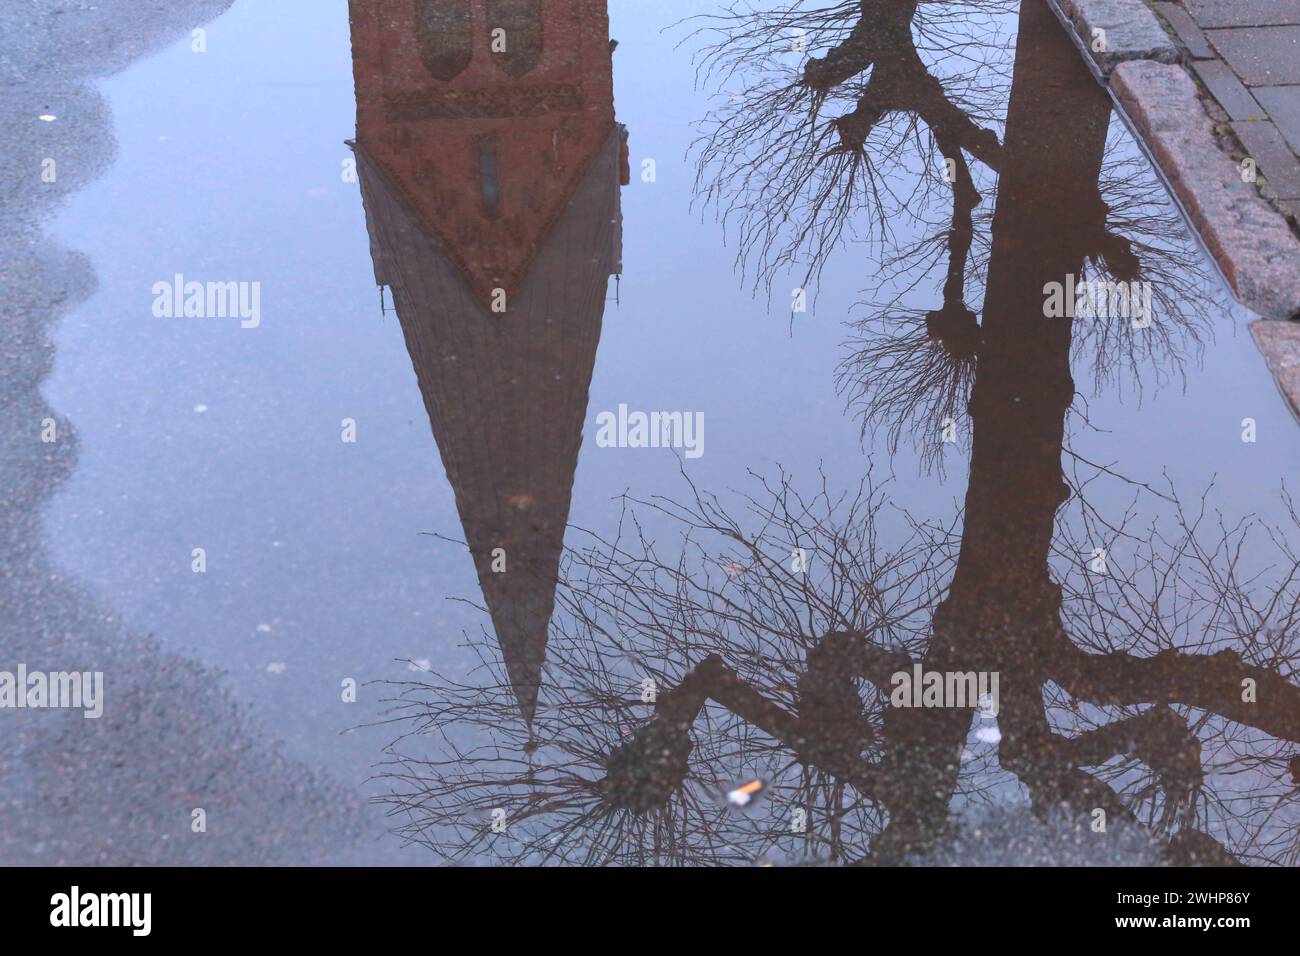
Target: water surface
{"x": 976, "y": 487}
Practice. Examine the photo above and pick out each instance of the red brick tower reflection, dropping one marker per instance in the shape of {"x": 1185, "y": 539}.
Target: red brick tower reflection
{"x": 490, "y": 166}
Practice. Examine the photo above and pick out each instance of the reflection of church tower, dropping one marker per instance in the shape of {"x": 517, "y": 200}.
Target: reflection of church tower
{"x": 490, "y": 165}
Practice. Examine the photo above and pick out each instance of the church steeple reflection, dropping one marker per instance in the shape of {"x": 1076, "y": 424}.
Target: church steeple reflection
{"x": 490, "y": 165}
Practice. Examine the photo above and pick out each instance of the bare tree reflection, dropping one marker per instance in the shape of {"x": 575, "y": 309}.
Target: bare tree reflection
{"x": 803, "y": 155}
{"x": 1200, "y": 589}
{"x": 1156, "y": 691}
{"x": 898, "y": 104}
{"x": 1129, "y": 701}
{"x": 908, "y": 370}
{"x": 610, "y": 776}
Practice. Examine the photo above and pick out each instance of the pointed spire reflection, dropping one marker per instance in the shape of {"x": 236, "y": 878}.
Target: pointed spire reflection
{"x": 497, "y": 186}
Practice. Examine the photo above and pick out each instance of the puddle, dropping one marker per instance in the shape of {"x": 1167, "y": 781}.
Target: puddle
{"x": 619, "y": 434}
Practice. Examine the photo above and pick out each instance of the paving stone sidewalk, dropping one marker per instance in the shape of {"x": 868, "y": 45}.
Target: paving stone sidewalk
{"x": 1247, "y": 53}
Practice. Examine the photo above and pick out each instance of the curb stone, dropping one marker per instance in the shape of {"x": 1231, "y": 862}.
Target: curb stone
{"x": 1280, "y": 343}
{"x": 1115, "y": 31}
{"x": 1252, "y": 244}
{"x": 1248, "y": 238}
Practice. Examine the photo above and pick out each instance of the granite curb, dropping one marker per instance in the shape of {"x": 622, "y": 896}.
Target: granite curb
{"x": 1250, "y": 241}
